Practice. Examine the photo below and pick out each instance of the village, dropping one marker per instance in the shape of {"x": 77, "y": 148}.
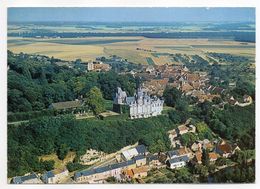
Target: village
{"x": 156, "y": 78}
{"x": 134, "y": 164}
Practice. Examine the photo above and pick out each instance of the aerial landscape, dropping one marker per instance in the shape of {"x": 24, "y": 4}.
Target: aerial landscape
{"x": 127, "y": 96}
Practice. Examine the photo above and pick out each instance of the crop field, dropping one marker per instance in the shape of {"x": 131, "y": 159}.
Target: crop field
{"x": 156, "y": 51}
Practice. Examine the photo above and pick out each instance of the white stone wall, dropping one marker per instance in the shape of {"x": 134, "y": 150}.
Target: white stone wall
{"x": 146, "y": 110}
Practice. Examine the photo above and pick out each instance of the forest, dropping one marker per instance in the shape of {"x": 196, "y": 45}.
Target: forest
{"x": 61, "y": 134}
{"x": 34, "y": 84}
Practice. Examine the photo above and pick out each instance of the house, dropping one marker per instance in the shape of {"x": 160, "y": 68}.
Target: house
{"x": 72, "y": 106}
{"x": 213, "y": 156}
{"x": 138, "y": 150}
{"x": 140, "y": 160}
{"x": 247, "y": 98}
{"x": 98, "y": 66}
{"x": 172, "y": 154}
{"x": 198, "y": 157}
{"x": 232, "y": 101}
{"x": 225, "y": 150}
{"x": 177, "y": 162}
{"x": 140, "y": 172}
{"x": 172, "y": 134}
{"x": 27, "y": 179}
{"x": 153, "y": 161}
{"x": 196, "y": 146}
{"x": 207, "y": 145}
{"x": 128, "y": 174}
{"x": 182, "y": 129}
{"x": 55, "y": 176}
{"x": 192, "y": 128}
{"x": 184, "y": 151}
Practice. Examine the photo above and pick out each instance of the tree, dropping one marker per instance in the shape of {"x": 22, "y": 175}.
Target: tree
{"x": 171, "y": 96}
{"x": 48, "y": 165}
{"x": 205, "y": 157}
{"x": 95, "y": 100}
{"x": 62, "y": 151}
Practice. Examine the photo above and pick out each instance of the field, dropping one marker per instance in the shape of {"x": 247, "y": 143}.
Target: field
{"x": 59, "y": 164}
{"x": 156, "y": 50}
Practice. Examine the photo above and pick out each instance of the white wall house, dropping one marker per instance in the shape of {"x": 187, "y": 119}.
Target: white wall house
{"x": 177, "y": 162}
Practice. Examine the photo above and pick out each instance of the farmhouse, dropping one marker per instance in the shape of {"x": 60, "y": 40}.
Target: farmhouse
{"x": 72, "y": 106}
{"x": 141, "y": 105}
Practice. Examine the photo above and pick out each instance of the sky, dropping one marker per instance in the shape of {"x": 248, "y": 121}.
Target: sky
{"x": 131, "y": 14}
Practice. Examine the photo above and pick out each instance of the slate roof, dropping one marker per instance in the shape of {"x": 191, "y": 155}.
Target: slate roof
{"x": 141, "y": 149}
{"x": 152, "y": 158}
{"x": 21, "y": 179}
{"x": 49, "y": 174}
{"x": 103, "y": 169}
{"x": 130, "y": 99}
{"x": 139, "y": 157}
{"x": 178, "y": 159}
{"x": 66, "y": 105}
{"x": 173, "y": 153}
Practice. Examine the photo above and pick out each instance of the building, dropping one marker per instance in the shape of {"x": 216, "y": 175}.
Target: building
{"x": 137, "y": 151}
{"x": 225, "y": 150}
{"x": 182, "y": 129}
{"x": 72, "y": 106}
{"x": 213, "y": 157}
{"x": 196, "y": 146}
{"x": 247, "y": 98}
{"x": 172, "y": 154}
{"x": 98, "y": 66}
{"x": 140, "y": 172}
{"x": 55, "y": 176}
{"x": 141, "y": 105}
{"x": 27, "y": 179}
{"x": 140, "y": 160}
{"x": 198, "y": 157}
{"x": 185, "y": 151}
{"x": 177, "y": 162}
{"x": 100, "y": 174}
{"x": 153, "y": 161}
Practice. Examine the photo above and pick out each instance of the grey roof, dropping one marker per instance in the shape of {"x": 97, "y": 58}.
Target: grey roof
{"x": 21, "y": 179}
{"x": 49, "y": 174}
{"x": 130, "y": 99}
{"x": 103, "y": 169}
{"x": 173, "y": 153}
{"x": 66, "y": 105}
{"x": 141, "y": 149}
{"x": 139, "y": 157}
{"x": 178, "y": 159}
{"x": 152, "y": 158}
